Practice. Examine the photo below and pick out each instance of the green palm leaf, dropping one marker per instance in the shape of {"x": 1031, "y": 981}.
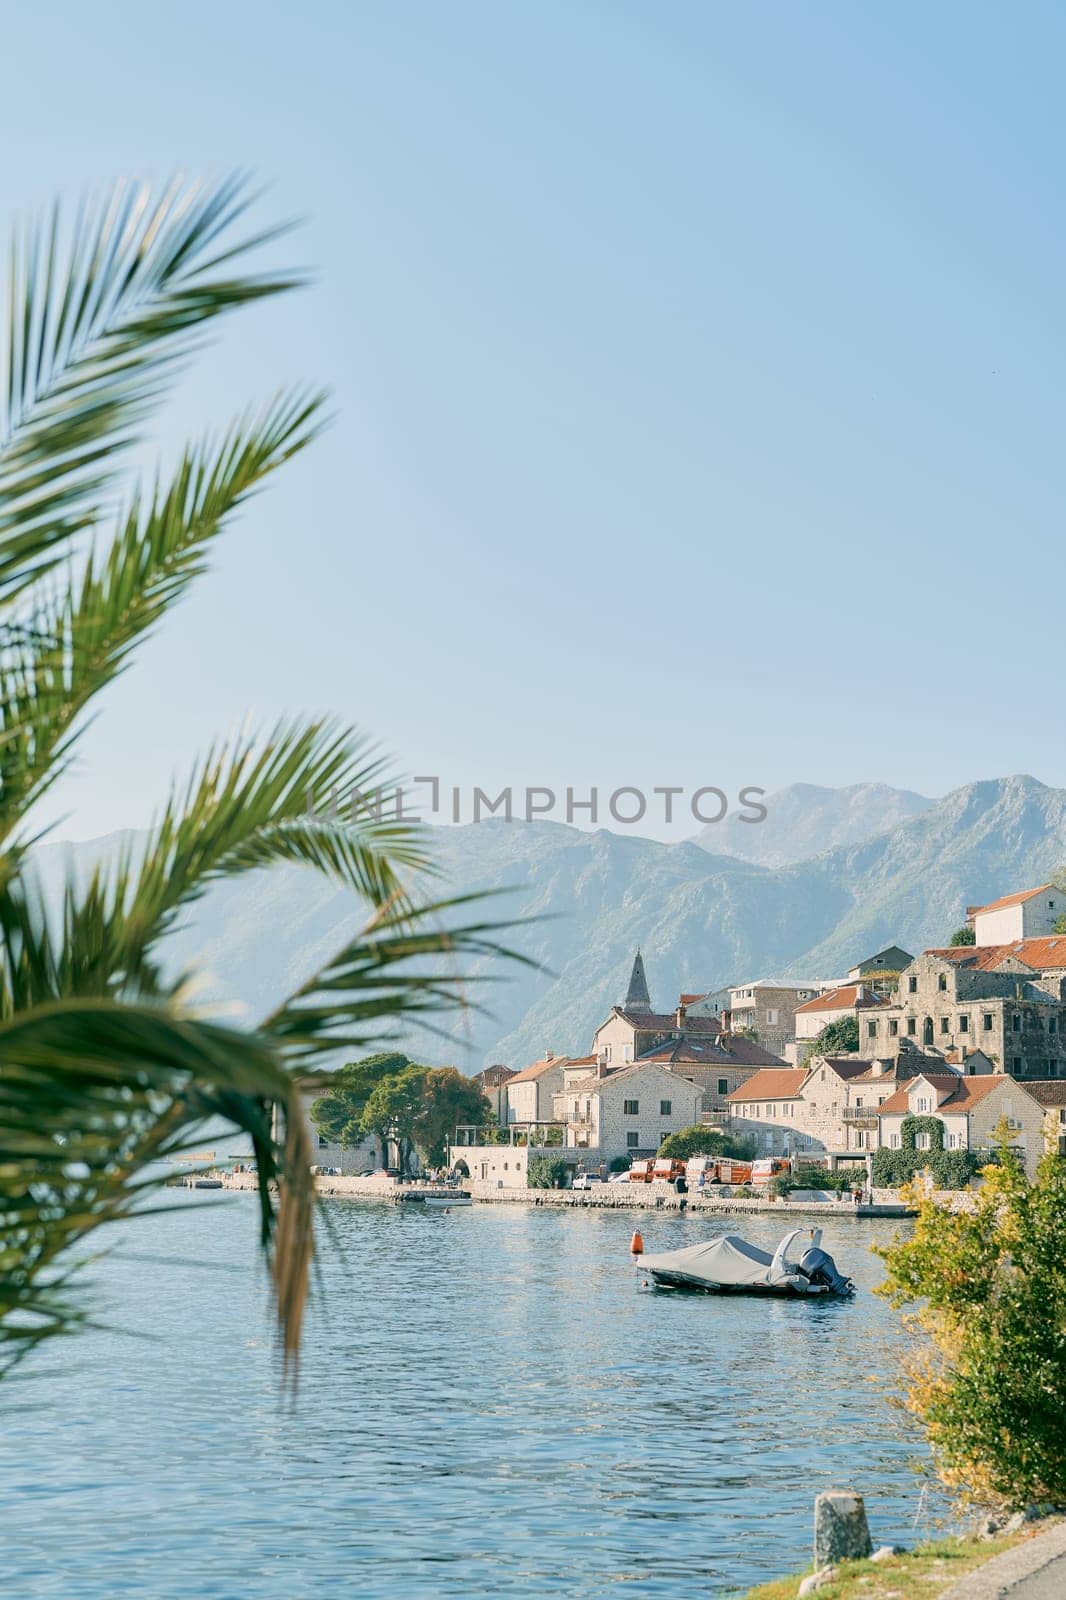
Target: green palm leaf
{"x": 100, "y": 319}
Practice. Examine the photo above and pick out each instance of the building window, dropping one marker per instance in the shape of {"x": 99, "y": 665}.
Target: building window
{"x": 1052, "y": 1024}
{"x": 921, "y": 1141}
{"x": 723, "y": 1086}
{"x": 895, "y": 1141}
{"x": 942, "y": 983}
{"x": 631, "y": 1108}
{"x": 893, "y": 1028}
{"x": 964, "y": 1024}
{"x": 912, "y": 985}
{"x": 1016, "y": 1023}
{"x": 945, "y": 1024}
{"x": 1017, "y": 1064}
{"x": 665, "y": 1108}
{"x": 986, "y": 1022}
{"x": 858, "y": 1102}
{"x": 860, "y": 1139}
{"x": 912, "y": 1026}
{"x": 627, "y": 1052}
{"x": 871, "y": 1030}
{"x": 632, "y": 1140}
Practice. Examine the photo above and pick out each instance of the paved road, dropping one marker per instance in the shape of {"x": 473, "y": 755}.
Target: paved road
{"x": 1047, "y": 1584}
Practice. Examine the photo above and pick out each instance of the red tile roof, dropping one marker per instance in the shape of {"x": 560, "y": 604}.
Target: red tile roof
{"x": 690, "y": 999}
{"x": 1008, "y": 900}
{"x": 773, "y": 1083}
{"x": 962, "y": 1093}
{"x": 538, "y": 1069}
{"x": 850, "y": 996}
{"x": 1042, "y": 955}
{"x": 731, "y": 1050}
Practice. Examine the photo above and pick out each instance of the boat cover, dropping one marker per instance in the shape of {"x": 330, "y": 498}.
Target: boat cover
{"x": 726, "y": 1260}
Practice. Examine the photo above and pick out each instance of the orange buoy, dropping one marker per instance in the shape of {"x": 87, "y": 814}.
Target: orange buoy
{"x": 636, "y": 1247}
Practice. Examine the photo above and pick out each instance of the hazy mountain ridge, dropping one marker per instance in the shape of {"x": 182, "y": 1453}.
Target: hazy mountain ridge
{"x": 805, "y": 820}
{"x": 701, "y": 920}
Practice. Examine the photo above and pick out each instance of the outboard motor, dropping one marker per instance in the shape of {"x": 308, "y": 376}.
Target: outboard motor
{"x": 820, "y": 1268}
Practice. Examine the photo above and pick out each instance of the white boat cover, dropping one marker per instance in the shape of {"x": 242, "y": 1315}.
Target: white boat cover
{"x": 726, "y": 1260}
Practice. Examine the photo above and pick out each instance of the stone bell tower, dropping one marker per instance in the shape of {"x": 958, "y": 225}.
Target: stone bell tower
{"x": 637, "y": 996}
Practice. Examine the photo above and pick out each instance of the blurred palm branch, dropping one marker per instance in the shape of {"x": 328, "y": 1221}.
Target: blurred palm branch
{"x": 106, "y": 1068}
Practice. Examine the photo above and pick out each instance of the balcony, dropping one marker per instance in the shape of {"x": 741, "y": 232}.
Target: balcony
{"x": 715, "y": 1119}
{"x": 860, "y": 1116}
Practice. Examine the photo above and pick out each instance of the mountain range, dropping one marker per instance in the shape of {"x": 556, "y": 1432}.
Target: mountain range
{"x": 702, "y": 918}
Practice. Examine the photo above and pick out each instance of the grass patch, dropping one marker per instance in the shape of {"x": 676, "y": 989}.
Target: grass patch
{"x": 920, "y": 1574}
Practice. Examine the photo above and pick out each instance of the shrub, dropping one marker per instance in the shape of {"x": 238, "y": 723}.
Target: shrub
{"x": 990, "y": 1285}
{"x": 547, "y": 1172}
{"x": 949, "y": 1169}
{"x": 962, "y": 936}
{"x": 814, "y": 1177}
{"x": 620, "y": 1164}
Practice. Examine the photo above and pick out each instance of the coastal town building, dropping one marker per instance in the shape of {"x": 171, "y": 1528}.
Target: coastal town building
{"x": 528, "y": 1094}
{"x": 766, "y": 1009}
{"x": 1030, "y": 914}
{"x": 971, "y": 1110}
{"x": 848, "y": 1000}
{"x": 626, "y": 1111}
{"x": 950, "y": 1005}
{"x": 887, "y": 963}
{"x": 493, "y": 1083}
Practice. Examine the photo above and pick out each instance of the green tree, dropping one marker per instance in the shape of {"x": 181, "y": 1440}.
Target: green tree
{"x": 338, "y": 1114}
{"x": 448, "y": 1100}
{"x": 962, "y": 936}
{"x": 839, "y": 1038}
{"x": 703, "y": 1141}
{"x": 106, "y": 1066}
{"x": 546, "y": 1172}
{"x": 392, "y": 1112}
{"x": 990, "y": 1286}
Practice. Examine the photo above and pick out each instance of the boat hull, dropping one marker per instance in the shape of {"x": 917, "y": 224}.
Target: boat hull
{"x": 679, "y": 1280}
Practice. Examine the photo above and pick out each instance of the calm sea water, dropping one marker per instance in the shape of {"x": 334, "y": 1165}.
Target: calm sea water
{"x": 489, "y": 1405}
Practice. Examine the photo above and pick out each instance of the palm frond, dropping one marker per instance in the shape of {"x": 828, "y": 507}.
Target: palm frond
{"x": 409, "y": 964}
{"x": 100, "y": 319}
{"x": 71, "y": 648}
{"x": 126, "y": 1087}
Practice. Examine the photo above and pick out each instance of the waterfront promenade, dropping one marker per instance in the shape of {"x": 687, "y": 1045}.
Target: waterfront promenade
{"x": 659, "y": 1197}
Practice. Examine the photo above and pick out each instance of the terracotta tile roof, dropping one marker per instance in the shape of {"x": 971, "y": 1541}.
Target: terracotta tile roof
{"x": 538, "y": 1069}
{"x": 850, "y": 996}
{"x": 1042, "y": 955}
{"x": 1049, "y": 1091}
{"x": 690, "y": 999}
{"x": 961, "y": 1094}
{"x": 1008, "y": 900}
{"x": 774, "y": 1083}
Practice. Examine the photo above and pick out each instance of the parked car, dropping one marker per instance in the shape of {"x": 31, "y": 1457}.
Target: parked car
{"x": 586, "y": 1180}
{"x": 619, "y": 1177}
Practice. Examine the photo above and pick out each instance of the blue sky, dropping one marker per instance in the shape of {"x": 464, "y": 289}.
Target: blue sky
{"x": 698, "y": 377}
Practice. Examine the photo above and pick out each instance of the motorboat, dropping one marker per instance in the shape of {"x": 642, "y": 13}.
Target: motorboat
{"x": 727, "y": 1264}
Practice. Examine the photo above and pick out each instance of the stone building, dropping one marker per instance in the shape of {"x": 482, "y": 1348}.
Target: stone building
{"x": 971, "y": 1109}
{"x": 766, "y": 1010}
{"x": 952, "y": 1005}
{"x": 635, "y": 1028}
{"x": 493, "y": 1083}
{"x": 626, "y": 1111}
